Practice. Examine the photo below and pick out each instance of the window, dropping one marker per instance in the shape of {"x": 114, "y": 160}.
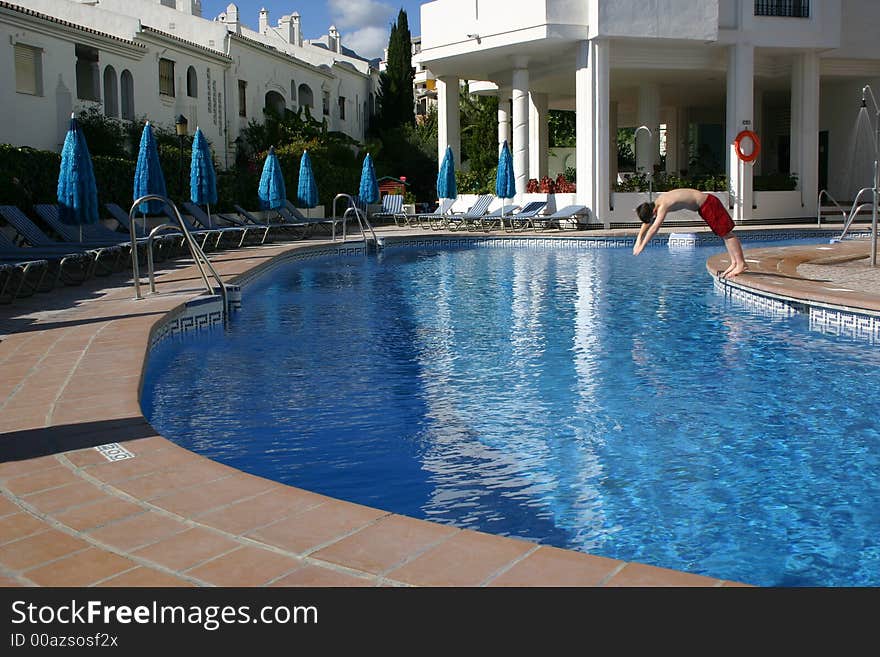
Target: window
{"x": 326, "y": 102}
{"x": 787, "y": 8}
{"x": 242, "y": 98}
{"x": 166, "y": 77}
{"x": 87, "y": 84}
{"x": 342, "y": 107}
{"x": 126, "y": 81}
{"x": 306, "y": 97}
{"x": 28, "y": 70}
{"x": 292, "y": 92}
{"x": 192, "y": 83}
{"x": 111, "y": 92}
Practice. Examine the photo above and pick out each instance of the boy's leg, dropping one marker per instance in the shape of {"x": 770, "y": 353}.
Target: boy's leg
{"x": 737, "y": 260}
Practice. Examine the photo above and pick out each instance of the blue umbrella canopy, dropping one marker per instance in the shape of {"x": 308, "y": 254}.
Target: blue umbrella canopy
{"x": 369, "y": 188}
{"x": 446, "y": 176}
{"x": 148, "y": 177}
{"x": 306, "y": 189}
{"x": 272, "y": 192}
{"x": 202, "y": 178}
{"x": 505, "y": 183}
{"x": 77, "y": 192}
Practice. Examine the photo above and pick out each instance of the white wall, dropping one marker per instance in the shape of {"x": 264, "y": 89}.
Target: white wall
{"x": 657, "y": 19}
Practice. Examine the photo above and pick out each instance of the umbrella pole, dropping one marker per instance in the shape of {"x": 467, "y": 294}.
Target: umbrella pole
{"x": 80, "y": 232}
{"x": 210, "y": 223}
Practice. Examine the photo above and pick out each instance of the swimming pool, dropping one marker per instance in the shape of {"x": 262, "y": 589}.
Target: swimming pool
{"x": 581, "y": 398}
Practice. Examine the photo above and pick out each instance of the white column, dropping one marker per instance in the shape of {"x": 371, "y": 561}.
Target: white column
{"x": 503, "y": 116}
{"x": 592, "y": 76}
{"x": 740, "y": 105}
{"x": 539, "y": 135}
{"x": 805, "y": 96}
{"x": 612, "y": 142}
{"x": 758, "y": 127}
{"x": 672, "y": 137}
{"x": 647, "y": 146}
{"x": 448, "y": 119}
{"x": 520, "y": 152}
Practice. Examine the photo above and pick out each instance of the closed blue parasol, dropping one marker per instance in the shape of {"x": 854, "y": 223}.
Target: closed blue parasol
{"x": 202, "y": 178}
{"x": 77, "y": 192}
{"x": 306, "y": 189}
{"x": 148, "y": 177}
{"x": 272, "y": 192}
{"x": 369, "y": 188}
{"x": 505, "y": 183}
{"x": 446, "y": 176}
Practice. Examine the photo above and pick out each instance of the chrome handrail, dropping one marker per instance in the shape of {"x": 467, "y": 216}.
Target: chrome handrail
{"x": 357, "y": 213}
{"x": 856, "y": 208}
{"x": 195, "y": 250}
{"x": 827, "y": 195}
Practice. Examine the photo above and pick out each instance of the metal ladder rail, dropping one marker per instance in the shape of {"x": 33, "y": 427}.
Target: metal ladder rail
{"x": 825, "y": 193}
{"x": 198, "y": 255}
{"x": 856, "y": 208}
{"x": 362, "y": 219}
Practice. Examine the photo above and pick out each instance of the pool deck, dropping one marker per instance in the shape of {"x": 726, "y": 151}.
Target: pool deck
{"x": 72, "y": 361}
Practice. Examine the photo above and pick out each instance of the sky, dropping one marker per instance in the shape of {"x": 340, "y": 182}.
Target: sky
{"x": 364, "y": 24}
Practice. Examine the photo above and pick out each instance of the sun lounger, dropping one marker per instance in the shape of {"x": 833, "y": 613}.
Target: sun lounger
{"x": 70, "y": 267}
{"x": 247, "y": 234}
{"x": 525, "y": 217}
{"x": 166, "y": 244}
{"x": 327, "y": 224}
{"x": 465, "y": 219}
{"x": 392, "y": 208}
{"x": 567, "y": 217}
{"x": 417, "y": 219}
{"x": 22, "y": 278}
{"x": 286, "y": 228}
{"x": 107, "y": 258}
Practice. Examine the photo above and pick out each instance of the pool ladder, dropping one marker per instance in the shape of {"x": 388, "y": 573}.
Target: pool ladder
{"x": 362, "y": 219}
{"x": 198, "y": 255}
{"x": 856, "y": 208}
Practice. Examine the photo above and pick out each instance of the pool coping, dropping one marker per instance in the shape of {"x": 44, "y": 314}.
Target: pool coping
{"x": 160, "y": 515}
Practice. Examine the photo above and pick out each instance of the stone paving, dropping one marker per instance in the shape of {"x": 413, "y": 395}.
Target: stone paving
{"x": 72, "y": 362}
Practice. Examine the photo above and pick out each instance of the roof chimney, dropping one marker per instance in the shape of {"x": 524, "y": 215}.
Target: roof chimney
{"x": 334, "y": 41}
{"x": 264, "y": 20}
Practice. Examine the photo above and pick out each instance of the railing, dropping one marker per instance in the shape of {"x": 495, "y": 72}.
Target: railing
{"x": 825, "y": 193}
{"x": 198, "y": 255}
{"x": 362, "y": 220}
{"x": 856, "y": 208}
{"x": 785, "y": 8}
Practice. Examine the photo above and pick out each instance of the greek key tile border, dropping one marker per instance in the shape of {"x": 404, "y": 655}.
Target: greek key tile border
{"x": 852, "y": 325}
{"x": 822, "y": 319}
{"x": 198, "y": 314}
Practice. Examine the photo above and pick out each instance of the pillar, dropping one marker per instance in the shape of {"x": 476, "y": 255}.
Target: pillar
{"x": 539, "y": 135}
{"x": 520, "y": 97}
{"x": 503, "y": 116}
{"x": 592, "y": 75}
{"x": 805, "y": 128}
{"x": 612, "y": 142}
{"x": 448, "y": 119}
{"x": 740, "y": 105}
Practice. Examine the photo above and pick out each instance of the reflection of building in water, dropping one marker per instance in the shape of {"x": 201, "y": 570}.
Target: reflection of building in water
{"x": 492, "y": 379}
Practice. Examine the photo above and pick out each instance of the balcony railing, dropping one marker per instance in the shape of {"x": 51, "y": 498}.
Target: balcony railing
{"x": 787, "y": 8}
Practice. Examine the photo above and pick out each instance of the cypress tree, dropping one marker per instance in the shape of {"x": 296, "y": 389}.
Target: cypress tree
{"x": 396, "y": 82}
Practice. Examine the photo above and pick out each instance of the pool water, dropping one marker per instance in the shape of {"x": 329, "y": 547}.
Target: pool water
{"x": 586, "y": 399}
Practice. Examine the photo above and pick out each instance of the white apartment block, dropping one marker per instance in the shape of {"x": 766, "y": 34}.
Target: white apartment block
{"x": 160, "y": 59}
{"x": 694, "y": 72}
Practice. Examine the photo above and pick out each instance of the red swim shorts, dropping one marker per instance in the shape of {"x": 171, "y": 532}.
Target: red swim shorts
{"x": 715, "y": 215}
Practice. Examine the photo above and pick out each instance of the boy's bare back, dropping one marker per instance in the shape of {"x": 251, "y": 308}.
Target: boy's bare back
{"x": 681, "y": 199}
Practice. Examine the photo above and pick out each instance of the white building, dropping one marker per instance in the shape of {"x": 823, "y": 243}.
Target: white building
{"x": 704, "y": 70}
{"x": 159, "y": 59}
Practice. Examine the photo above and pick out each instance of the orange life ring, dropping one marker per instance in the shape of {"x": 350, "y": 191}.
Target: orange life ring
{"x": 756, "y": 146}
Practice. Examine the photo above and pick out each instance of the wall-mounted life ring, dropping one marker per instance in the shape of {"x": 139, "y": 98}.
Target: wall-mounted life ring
{"x": 756, "y": 146}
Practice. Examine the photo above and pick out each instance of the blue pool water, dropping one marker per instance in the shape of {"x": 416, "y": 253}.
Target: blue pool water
{"x": 580, "y": 398}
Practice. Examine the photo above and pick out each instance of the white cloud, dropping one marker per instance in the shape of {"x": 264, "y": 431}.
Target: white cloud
{"x": 368, "y": 42}
{"x": 358, "y": 15}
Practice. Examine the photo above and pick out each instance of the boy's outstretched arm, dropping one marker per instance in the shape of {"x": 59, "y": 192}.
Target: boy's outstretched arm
{"x": 647, "y": 231}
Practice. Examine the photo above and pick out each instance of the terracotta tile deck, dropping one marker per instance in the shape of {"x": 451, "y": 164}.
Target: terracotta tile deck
{"x": 169, "y": 517}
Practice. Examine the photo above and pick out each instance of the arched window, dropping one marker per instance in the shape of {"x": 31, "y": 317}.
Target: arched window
{"x": 192, "y": 82}
{"x": 127, "y": 83}
{"x": 305, "y": 96}
{"x": 111, "y": 92}
{"x": 275, "y": 102}
{"x": 293, "y": 92}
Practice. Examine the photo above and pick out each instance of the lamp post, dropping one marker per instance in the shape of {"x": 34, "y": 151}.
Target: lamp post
{"x": 180, "y": 125}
